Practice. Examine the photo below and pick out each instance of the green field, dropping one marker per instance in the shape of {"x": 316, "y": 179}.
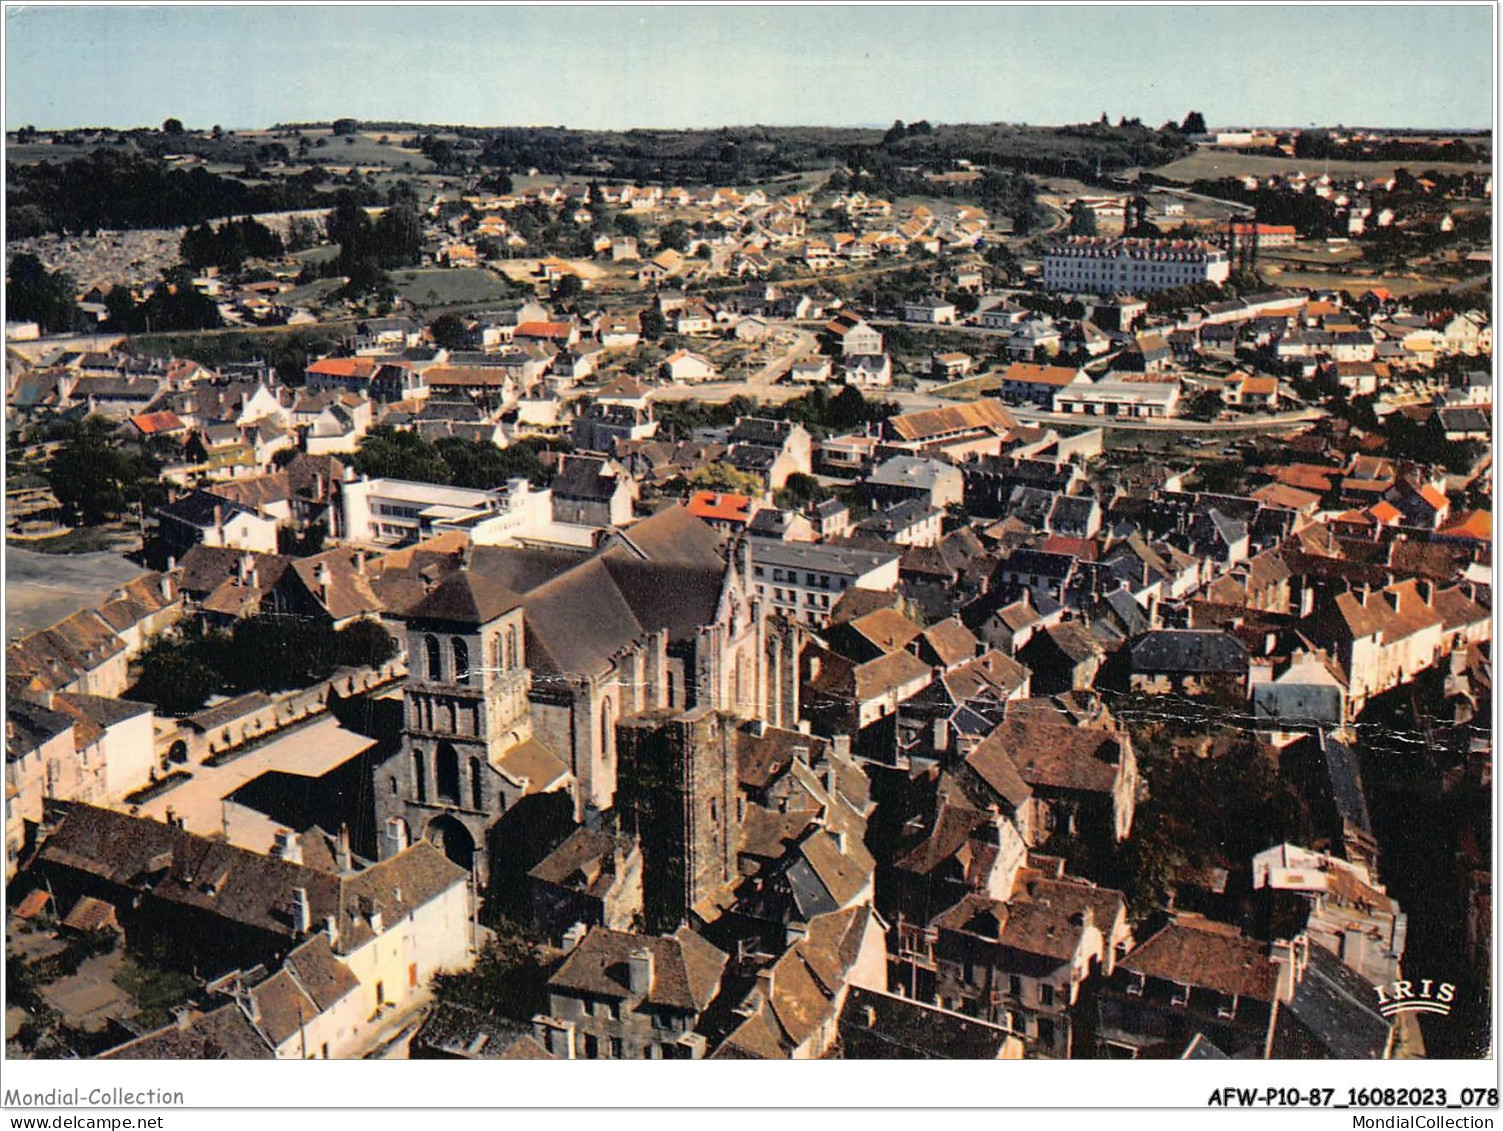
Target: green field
{"x": 445, "y": 286}
{"x": 1210, "y": 165}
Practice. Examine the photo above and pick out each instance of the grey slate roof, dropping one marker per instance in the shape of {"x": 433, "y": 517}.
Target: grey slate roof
{"x": 1190, "y": 651}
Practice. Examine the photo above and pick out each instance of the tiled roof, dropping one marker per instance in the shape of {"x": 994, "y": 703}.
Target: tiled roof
{"x": 1205, "y": 954}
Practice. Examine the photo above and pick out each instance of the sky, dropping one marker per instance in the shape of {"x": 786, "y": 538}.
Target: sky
{"x": 615, "y": 67}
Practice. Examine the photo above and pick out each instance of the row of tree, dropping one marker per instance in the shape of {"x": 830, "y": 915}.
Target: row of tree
{"x": 387, "y": 453}
{"x": 179, "y": 672}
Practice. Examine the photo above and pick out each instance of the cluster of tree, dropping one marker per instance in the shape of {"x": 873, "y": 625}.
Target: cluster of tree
{"x": 1319, "y": 145}
{"x": 34, "y": 294}
{"x": 229, "y": 245}
{"x": 508, "y": 979}
{"x": 113, "y": 189}
{"x": 1195, "y": 294}
{"x": 385, "y": 452}
{"x": 367, "y": 250}
{"x": 1407, "y": 439}
{"x": 173, "y": 305}
{"x": 96, "y": 477}
{"x": 289, "y": 353}
{"x": 898, "y": 131}
{"x": 1312, "y": 216}
{"x": 267, "y": 652}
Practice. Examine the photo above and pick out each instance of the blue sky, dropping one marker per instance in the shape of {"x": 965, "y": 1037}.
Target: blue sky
{"x": 614, "y": 67}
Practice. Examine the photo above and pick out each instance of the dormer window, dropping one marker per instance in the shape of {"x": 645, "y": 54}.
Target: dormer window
{"x": 1135, "y": 984}
{"x": 1227, "y": 1007}
{"x": 1179, "y": 994}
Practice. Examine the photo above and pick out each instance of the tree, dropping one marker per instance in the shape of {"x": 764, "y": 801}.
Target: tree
{"x": 1204, "y": 406}
{"x": 33, "y": 294}
{"x": 507, "y": 979}
{"x": 654, "y": 326}
{"x": 1082, "y": 219}
{"x": 96, "y": 479}
{"x": 364, "y": 644}
{"x": 175, "y": 676}
{"x": 674, "y": 235}
{"x": 399, "y": 237}
{"x": 567, "y": 289}
{"x": 385, "y": 453}
{"x": 172, "y": 127}
{"x": 1194, "y": 123}
{"x": 343, "y": 127}
{"x": 449, "y": 332}
{"x": 718, "y": 476}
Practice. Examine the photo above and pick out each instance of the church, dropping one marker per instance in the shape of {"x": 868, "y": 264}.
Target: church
{"x": 521, "y": 663}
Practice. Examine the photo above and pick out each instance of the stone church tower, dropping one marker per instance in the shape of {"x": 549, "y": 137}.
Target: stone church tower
{"x": 467, "y": 753}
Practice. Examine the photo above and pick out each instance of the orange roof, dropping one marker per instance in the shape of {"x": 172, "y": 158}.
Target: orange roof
{"x": 1251, "y": 384}
{"x": 1385, "y": 512}
{"x": 1033, "y": 374}
{"x": 720, "y": 505}
{"x": 152, "y": 423}
{"x": 1476, "y": 524}
{"x": 544, "y": 330}
{"x": 1434, "y": 497}
{"x": 343, "y": 367}
{"x": 1355, "y": 518}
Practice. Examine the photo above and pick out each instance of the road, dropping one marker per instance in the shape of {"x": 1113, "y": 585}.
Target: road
{"x": 1275, "y": 422}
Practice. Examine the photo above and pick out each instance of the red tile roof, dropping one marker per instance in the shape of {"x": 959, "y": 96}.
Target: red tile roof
{"x": 720, "y": 505}
{"x": 156, "y": 423}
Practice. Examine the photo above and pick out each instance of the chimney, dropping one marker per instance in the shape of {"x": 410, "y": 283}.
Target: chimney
{"x": 219, "y": 522}
{"x": 302, "y": 911}
{"x": 395, "y": 837}
{"x": 321, "y": 579}
{"x": 287, "y": 845}
{"x": 331, "y": 928}
{"x": 839, "y": 837}
{"x": 574, "y": 935}
{"x": 360, "y": 562}
{"x": 941, "y": 740}
{"x": 343, "y": 857}
{"x": 639, "y": 964}
{"x": 842, "y": 744}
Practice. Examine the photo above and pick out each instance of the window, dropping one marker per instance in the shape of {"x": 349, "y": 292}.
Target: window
{"x": 477, "y": 785}
{"x": 461, "y": 660}
{"x": 419, "y": 776}
{"x": 1046, "y": 1031}
{"x": 511, "y": 648}
{"x": 1046, "y": 996}
{"x": 446, "y": 773}
{"x": 1015, "y": 986}
{"x": 1179, "y": 994}
{"x": 435, "y": 659}
{"x": 607, "y": 731}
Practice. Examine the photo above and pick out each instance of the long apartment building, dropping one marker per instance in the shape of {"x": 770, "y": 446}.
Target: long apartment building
{"x": 1088, "y": 264}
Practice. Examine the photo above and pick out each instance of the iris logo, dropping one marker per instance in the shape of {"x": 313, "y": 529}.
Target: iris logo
{"x": 1400, "y": 997}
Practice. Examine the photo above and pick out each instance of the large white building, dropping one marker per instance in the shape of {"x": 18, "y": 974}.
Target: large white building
{"x": 395, "y": 512}
{"x": 1087, "y": 264}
